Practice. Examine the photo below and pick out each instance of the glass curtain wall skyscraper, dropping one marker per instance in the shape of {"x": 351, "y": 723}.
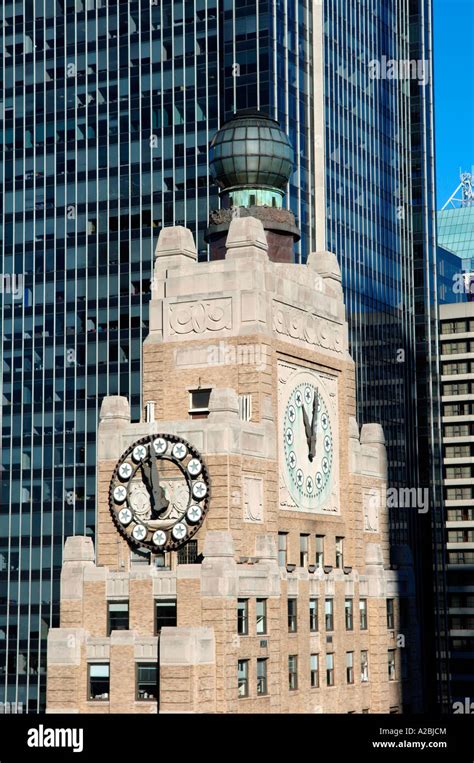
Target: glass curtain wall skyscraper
{"x": 107, "y": 109}
{"x": 380, "y": 202}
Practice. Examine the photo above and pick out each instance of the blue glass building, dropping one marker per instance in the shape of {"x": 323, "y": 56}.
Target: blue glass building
{"x": 108, "y": 109}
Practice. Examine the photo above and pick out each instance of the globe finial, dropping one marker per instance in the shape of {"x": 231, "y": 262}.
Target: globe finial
{"x": 251, "y": 160}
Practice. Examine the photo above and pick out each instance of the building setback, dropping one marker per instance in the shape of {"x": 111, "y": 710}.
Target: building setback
{"x": 242, "y": 559}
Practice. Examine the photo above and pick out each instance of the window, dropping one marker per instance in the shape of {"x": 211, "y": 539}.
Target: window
{"x": 282, "y": 542}
{"x": 147, "y": 681}
{"x": 242, "y": 617}
{"x": 330, "y": 669}
{"x": 339, "y": 553}
{"x": 188, "y": 554}
{"x": 304, "y": 541}
{"x": 390, "y": 615}
{"x": 262, "y": 676}
{"x": 350, "y": 667}
{"x": 313, "y": 615}
{"x": 349, "y": 613}
{"x": 292, "y": 616}
{"x": 319, "y": 558}
{"x": 165, "y": 614}
{"x": 261, "y": 616}
{"x": 364, "y": 666}
{"x": 117, "y": 616}
{"x": 243, "y": 678}
{"x": 363, "y": 614}
{"x": 99, "y": 681}
{"x": 391, "y": 664}
{"x": 314, "y": 668}
{"x": 199, "y": 403}
{"x": 329, "y": 614}
{"x": 292, "y": 672}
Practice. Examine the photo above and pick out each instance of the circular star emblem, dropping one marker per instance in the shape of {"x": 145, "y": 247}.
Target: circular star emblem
{"x": 159, "y": 538}
{"x": 319, "y": 480}
{"x": 125, "y": 516}
{"x": 289, "y": 436}
{"x": 179, "y": 451}
{"x": 308, "y": 395}
{"x": 125, "y": 471}
{"x": 299, "y": 477}
{"x": 139, "y": 453}
{"x": 298, "y": 398}
{"x": 324, "y": 421}
{"x": 194, "y": 467}
{"x": 139, "y": 532}
{"x": 199, "y": 490}
{"x": 309, "y": 485}
{"x": 160, "y": 446}
{"x": 194, "y": 513}
{"x": 179, "y": 531}
{"x": 292, "y": 459}
{"x": 120, "y": 494}
{"x": 291, "y": 414}
{"x": 327, "y": 443}
{"x": 325, "y": 465}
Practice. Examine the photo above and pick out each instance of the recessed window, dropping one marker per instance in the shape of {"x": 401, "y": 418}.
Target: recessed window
{"x": 117, "y": 616}
{"x": 242, "y": 617}
{"x": 330, "y": 669}
{"x": 243, "y": 678}
{"x": 261, "y": 612}
{"x": 292, "y": 672}
{"x": 304, "y": 546}
{"x": 350, "y": 667}
{"x": 313, "y": 615}
{"x": 339, "y": 553}
{"x": 390, "y": 614}
{"x": 165, "y": 614}
{"x": 188, "y": 554}
{"x": 349, "y": 614}
{"x": 282, "y": 546}
{"x": 329, "y": 614}
{"x": 99, "y": 681}
{"x": 391, "y": 665}
{"x": 199, "y": 403}
{"x": 363, "y": 614}
{"x": 364, "y": 665}
{"x": 147, "y": 681}
{"x": 262, "y": 675}
{"x": 292, "y": 616}
{"x": 314, "y": 668}
{"x": 319, "y": 557}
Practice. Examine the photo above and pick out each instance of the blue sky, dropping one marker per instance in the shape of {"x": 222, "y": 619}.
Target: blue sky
{"x": 454, "y": 92}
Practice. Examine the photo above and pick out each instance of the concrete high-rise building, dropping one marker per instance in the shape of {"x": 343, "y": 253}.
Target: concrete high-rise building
{"x": 108, "y": 110}
{"x": 456, "y": 354}
{"x": 242, "y": 556}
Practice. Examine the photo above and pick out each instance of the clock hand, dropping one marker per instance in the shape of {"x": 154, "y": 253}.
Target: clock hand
{"x": 306, "y": 426}
{"x": 314, "y": 423}
{"x": 159, "y": 498}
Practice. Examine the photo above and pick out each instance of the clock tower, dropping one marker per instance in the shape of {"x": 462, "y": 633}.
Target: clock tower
{"x": 242, "y": 559}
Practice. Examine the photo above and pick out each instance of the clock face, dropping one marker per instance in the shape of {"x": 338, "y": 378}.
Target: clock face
{"x": 308, "y": 446}
{"x": 159, "y": 493}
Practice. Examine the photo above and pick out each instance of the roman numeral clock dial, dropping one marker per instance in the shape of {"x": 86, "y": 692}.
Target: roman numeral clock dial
{"x": 308, "y": 447}
{"x": 159, "y": 493}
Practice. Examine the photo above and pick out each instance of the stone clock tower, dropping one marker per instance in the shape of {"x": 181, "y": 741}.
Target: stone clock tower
{"x": 242, "y": 559}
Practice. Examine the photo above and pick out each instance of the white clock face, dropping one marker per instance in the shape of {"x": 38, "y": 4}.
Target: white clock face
{"x": 308, "y": 446}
